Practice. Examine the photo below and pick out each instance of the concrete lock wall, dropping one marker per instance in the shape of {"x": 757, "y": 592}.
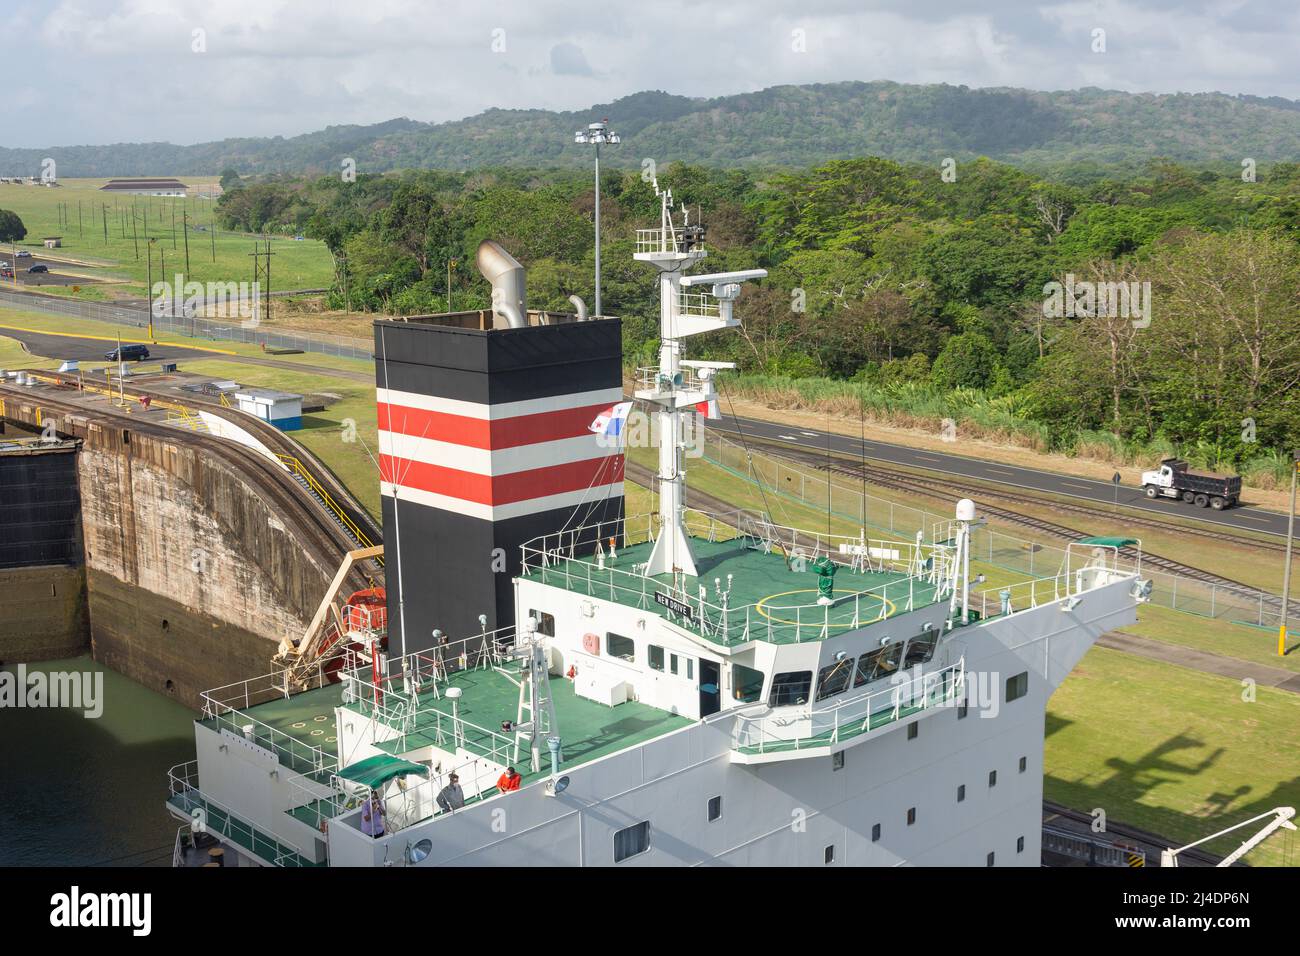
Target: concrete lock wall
{"x": 45, "y": 614}
{"x": 192, "y": 576}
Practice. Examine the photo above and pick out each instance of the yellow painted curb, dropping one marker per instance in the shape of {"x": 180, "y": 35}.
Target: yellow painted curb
{"x": 114, "y": 338}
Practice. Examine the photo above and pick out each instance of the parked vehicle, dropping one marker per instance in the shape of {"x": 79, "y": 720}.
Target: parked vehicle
{"x": 129, "y": 353}
{"x": 1174, "y": 479}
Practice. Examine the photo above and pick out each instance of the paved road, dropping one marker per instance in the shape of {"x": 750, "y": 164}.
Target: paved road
{"x": 92, "y": 350}
{"x": 1088, "y": 489}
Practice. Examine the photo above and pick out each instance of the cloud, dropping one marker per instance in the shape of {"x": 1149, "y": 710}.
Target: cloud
{"x": 97, "y": 71}
{"x": 567, "y": 59}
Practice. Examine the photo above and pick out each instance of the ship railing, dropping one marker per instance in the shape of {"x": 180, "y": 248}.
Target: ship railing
{"x": 566, "y": 559}
{"x": 703, "y": 304}
{"x": 411, "y": 709}
{"x": 228, "y": 706}
{"x": 652, "y": 378}
{"x": 1020, "y": 596}
{"x": 659, "y": 240}
{"x": 811, "y": 726}
{"x": 183, "y": 780}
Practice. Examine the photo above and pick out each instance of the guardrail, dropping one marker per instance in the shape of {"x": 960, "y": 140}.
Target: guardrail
{"x": 297, "y": 468}
{"x": 555, "y": 560}
{"x": 794, "y": 729}
{"x": 227, "y": 706}
{"x": 185, "y": 795}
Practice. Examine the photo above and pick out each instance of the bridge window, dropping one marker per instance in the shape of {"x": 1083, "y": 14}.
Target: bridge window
{"x": 834, "y": 678}
{"x": 961, "y": 792}
{"x": 631, "y": 841}
{"x": 877, "y": 664}
{"x": 875, "y": 833}
{"x": 791, "y": 688}
{"x": 746, "y": 684}
{"x": 616, "y": 645}
{"x": 1017, "y": 686}
{"x": 656, "y": 657}
{"x": 990, "y": 862}
{"x": 1020, "y": 844}
{"x": 911, "y": 816}
{"x": 921, "y": 649}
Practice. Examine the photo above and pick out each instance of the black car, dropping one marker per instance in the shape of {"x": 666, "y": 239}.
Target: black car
{"x": 38, "y": 268}
{"x": 137, "y": 353}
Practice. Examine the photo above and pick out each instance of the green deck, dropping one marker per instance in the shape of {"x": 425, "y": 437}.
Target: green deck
{"x": 588, "y": 729}
{"x": 290, "y": 726}
{"x": 217, "y": 820}
{"x": 768, "y": 600}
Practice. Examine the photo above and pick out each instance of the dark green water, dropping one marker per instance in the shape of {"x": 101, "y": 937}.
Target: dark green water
{"x": 78, "y": 791}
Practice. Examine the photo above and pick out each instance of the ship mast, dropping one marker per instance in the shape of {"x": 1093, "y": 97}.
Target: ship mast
{"x": 678, "y": 385}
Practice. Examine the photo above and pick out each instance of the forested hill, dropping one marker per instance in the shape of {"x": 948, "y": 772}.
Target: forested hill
{"x": 1086, "y": 130}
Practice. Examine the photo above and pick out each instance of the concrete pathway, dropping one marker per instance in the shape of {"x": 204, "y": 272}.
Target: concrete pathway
{"x": 1203, "y": 661}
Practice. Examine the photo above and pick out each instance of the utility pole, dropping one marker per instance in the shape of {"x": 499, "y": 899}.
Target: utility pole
{"x": 259, "y": 272}
{"x": 104, "y": 219}
{"x": 149, "y": 298}
{"x": 214, "y": 233}
{"x": 173, "y": 205}
{"x": 185, "y": 231}
{"x": 450, "y": 263}
{"x": 80, "y": 232}
{"x": 1286, "y": 567}
{"x": 135, "y": 235}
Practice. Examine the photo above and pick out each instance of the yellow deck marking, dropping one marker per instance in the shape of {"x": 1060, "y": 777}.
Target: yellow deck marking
{"x": 890, "y": 608}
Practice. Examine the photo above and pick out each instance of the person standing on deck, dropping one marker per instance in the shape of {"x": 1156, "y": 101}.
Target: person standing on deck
{"x": 451, "y": 797}
{"x": 372, "y": 815}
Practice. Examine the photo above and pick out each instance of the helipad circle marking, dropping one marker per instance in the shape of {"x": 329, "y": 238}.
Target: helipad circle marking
{"x": 889, "y": 605}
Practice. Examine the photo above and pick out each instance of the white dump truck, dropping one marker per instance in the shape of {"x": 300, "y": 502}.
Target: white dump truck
{"x": 1173, "y": 479}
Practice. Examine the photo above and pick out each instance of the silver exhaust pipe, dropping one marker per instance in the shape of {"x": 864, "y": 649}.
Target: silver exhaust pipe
{"x": 503, "y": 271}
{"x": 579, "y": 306}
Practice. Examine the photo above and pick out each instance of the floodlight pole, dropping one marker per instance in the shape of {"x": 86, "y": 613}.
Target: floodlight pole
{"x": 597, "y": 134}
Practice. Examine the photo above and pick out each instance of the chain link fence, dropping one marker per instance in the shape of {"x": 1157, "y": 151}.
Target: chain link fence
{"x": 192, "y": 327}
{"x": 812, "y": 489}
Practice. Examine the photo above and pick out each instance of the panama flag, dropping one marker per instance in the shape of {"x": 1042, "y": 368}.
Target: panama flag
{"x": 708, "y": 408}
{"x": 610, "y": 421}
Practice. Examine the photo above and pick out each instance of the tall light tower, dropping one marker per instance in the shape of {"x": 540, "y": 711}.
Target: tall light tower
{"x": 597, "y": 134}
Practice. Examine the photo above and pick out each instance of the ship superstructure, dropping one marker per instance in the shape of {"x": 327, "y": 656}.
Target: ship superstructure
{"x": 676, "y": 688}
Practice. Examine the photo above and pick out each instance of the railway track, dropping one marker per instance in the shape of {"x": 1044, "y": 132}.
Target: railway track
{"x": 317, "y": 531}
{"x": 933, "y": 487}
{"x": 1065, "y": 818}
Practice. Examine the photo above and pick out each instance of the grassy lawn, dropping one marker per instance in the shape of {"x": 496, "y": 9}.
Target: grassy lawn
{"x": 296, "y": 265}
{"x": 1173, "y": 751}
{"x": 1254, "y": 644}
{"x": 323, "y": 433}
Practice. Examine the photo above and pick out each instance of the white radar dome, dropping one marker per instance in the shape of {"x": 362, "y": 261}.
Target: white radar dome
{"x": 965, "y": 510}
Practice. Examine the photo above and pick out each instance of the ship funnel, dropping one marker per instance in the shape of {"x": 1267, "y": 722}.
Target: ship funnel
{"x": 509, "y": 297}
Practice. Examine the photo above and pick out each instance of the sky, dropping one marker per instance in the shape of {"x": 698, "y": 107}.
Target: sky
{"x": 189, "y": 71}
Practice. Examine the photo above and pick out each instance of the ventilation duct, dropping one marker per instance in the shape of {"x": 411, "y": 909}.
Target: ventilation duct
{"x": 503, "y": 271}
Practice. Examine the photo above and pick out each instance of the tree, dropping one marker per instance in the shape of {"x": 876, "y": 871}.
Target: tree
{"x": 968, "y": 360}
{"x": 11, "y": 227}
{"x": 230, "y": 179}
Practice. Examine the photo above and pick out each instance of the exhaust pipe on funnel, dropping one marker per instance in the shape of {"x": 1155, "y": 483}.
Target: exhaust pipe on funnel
{"x": 503, "y": 271}
{"x": 579, "y": 306}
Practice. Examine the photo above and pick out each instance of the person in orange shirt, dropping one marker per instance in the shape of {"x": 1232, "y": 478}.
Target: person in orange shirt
{"x": 509, "y": 780}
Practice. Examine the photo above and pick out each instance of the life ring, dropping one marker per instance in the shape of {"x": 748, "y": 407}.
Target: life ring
{"x": 591, "y": 644}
